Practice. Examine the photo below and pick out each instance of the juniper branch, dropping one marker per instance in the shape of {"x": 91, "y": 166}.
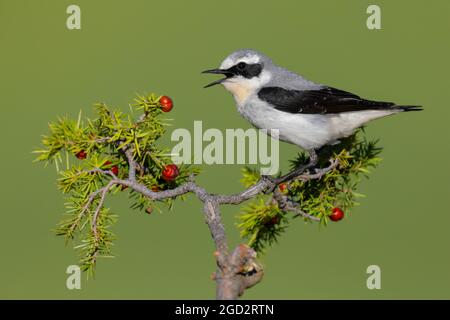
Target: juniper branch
{"x": 103, "y": 192}
{"x": 286, "y": 205}
{"x": 83, "y": 211}
{"x": 319, "y": 173}
{"x": 313, "y": 160}
{"x": 237, "y": 269}
{"x": 97, "y": 170}
{"x": 132, "y": 165}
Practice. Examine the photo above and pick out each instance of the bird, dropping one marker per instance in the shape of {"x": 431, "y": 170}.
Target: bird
{"x": 304, "y": 113}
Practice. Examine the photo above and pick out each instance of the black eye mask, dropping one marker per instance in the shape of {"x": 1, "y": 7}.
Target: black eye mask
{"x": 246, "y": 70}
{"x": 241, "y": 69}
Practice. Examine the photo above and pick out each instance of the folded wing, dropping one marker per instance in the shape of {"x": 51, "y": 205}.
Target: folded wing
{"x": 322, "y": 101}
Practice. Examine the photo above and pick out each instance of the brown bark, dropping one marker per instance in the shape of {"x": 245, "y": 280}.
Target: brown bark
{"x": 236, "y": 271}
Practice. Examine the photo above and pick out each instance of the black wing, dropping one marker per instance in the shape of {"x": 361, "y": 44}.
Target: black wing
{"x": 326, "y": 100}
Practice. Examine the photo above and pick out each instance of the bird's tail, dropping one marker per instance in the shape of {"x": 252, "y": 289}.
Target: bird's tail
{"x": 409, "y": 108}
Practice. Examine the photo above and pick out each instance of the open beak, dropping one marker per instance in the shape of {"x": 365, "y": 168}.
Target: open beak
{"x": 227, "y": 74}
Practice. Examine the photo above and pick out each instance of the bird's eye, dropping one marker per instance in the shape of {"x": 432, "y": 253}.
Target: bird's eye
{"x": 241, "y": 65}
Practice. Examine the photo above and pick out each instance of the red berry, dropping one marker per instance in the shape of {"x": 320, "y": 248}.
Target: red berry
{"x": 166, "y": 103}
{"x": 337, "y": 214}
{"x": 115, "y": 170}
{"x": 275, "y": 220}
{"x": 81, "y": 155}
{"x": 282, "y": 187}
{"x": 170, "y": 172}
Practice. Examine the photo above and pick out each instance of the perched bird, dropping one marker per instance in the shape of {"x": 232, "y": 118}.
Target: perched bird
{"x": 306, "y": 114}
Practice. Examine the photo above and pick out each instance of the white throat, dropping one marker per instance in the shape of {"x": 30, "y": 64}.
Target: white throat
{"x": 242, "y": 88}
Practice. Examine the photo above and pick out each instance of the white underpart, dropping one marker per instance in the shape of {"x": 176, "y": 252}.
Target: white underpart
{"x": 309, "y": 131}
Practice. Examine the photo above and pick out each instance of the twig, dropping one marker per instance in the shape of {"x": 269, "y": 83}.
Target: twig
{"x": 83, "y": 211}
{"x": 102, "y": 140}
{"x": 97, "y": 170}
{"x": 285, "y": 205}
{"x": 214, "y": 222}
{"x": 131, "y": 164}
{"x": 319, "y": 172}
{"x": 313, "y": 159}
{"x": 103, "y": 192}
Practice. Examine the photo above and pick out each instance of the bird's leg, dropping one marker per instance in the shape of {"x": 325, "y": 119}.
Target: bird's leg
{"x": 313, "y": 159}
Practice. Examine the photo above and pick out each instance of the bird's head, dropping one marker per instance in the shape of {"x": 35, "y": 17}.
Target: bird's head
{"x": 245, "y": 71}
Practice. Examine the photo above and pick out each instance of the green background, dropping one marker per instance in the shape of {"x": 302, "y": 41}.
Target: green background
{"x": 126, "y": 47}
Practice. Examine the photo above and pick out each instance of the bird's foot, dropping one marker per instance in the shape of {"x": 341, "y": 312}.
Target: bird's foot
{"x": 313, "y": 160}
{"x": 267, "y": 178}
{"x": 271, "y": 181}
